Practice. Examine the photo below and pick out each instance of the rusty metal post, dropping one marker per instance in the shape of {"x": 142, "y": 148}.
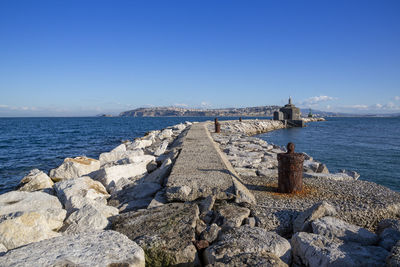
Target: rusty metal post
{"x": 290, "y": 171}
{"x": 240, "y": 119}
{"x": 217, "y": 126}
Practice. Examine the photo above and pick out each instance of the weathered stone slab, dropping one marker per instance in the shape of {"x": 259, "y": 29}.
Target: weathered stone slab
{"x": 232, "y": 215}
{"x": 159, "y": 175}
{"x": 302, "y": 223}
{"x": 35, "y": 180}
{"x": 315, "y": 250}
{"x": 250, "y": 259}
{"x": 332, "y": 227}
{"x": 105, "y": 248}
{"x": 114, "y": 156}
{"x": 109, "y": 176}
{"x": 161, "y": 148}
{"x": 247, "y": 239}
{"x": 15, "y": 203}
{"x": 74, "y": 168}
{"x": 165, "y": 233}
{"x": 75, "y": 193}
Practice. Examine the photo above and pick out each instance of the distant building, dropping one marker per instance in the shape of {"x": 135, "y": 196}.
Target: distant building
{"x": 290, "y": 114}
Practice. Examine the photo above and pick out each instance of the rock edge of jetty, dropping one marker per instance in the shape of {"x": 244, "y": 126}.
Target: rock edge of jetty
{"x": 188, "y": 196}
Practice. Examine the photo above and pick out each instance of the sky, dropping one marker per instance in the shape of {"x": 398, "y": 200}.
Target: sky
{"x": 83, "y": 58}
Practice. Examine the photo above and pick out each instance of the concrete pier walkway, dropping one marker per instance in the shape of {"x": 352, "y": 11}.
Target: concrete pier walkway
{"x": 202, "y": 170}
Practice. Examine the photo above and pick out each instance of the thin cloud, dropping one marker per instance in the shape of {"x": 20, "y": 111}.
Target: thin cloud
{"x": 397, "y": 98}
{"x": 317, "y": 99}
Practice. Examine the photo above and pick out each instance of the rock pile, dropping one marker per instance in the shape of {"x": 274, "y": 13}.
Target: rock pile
{"x": 215, "y": 205}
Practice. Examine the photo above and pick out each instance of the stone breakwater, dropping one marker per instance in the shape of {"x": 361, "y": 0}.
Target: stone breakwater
{"x": 187, "y": 196}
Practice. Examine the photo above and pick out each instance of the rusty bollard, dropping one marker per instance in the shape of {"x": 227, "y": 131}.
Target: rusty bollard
{"x": 290, "y": 171}
{"x": 217, "y": 126}
{"x": 240, "y": 119}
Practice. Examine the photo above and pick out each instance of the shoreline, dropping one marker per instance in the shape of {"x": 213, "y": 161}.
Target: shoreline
{"x": 131, "y": 185}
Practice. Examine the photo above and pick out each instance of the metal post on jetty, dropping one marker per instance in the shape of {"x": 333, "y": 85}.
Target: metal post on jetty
{"x": 217, "y": 126}
{"x": 290, "y": 170}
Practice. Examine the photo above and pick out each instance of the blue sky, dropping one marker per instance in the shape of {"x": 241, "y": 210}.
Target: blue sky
{"x": 78, "y": 58}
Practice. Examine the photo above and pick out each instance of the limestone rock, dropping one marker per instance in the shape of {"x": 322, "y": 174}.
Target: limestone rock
{"x": 158, "y": 200}
{"x": 352, "y": 174}
{"x": 24, "y": 228}
{"x": 159, "y": 174}
{"x": 393, "y": 260}
{"x": 121, "y": 147}
{"x": 247, "y": 239}
{"x": 87, "y": 218}
{"x": 389, "y": 233}
{"x": 302, "y": 223}
{"x": 331, "y": 176}
{"x": 16, "y": 203}
{"x": 136, "y": 196}
{"x": 332, "y": 227}
{"x": 141, "y": 143}
{"x": 35, "y": 180}
{"x": 74, "y": 168}
{"x": 322, "y": 168}
{"x": 250, "y": 259}
{"x": 167, "y": 133}
{"x": 232, "y": 215}
{"x": 211, "y": 233}
{"x": 114, "y": 156}
{"x": 165, "y": 233}
{"x": 161, "y": 149}
{"x": 315, "y": 250}
{"x": 3, "y": 249}
{"x": 105, "y": 248}
{"x": 206, "y": 204}
{"x": 75, "y": 193}
{"x": 109, "y": 176}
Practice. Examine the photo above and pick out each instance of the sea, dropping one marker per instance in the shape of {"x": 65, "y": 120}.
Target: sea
{"x": 370, "y": 146}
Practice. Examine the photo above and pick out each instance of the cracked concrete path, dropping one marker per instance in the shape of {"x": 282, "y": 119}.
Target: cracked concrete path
{"x": 202, "y": 170}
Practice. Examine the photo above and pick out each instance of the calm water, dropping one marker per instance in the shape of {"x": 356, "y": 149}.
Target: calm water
{"x": 371, "y": 146}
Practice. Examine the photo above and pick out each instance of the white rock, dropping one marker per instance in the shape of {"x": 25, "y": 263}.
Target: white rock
{"x": 88, "y": 218}
{"x": 167, "y": 133}
{"x": 332, "y": 227}
{"x": 302, "y": 223}
{"x": 180, "y": 127}
{"x": 161, "y": 149}
{"x": 352, "y": 174}
{"x": 35, "y": 180}
{"x": 77, "y": 193}
{"x": 2, "y": 249}
{"x": 331, "y": 176}
{"x": 159, "y": 174}
{"x": 108, "y": 175}
{"x": 316, "y": 250}
{"x": 141, "y": 143}
{"x": 158, "y": 200}
{"x": 74, "y": 168}
{"x": 15, "y": 203}
{"x": 113, "y": 156}
{"x": 24, "y": 228}
{"x": 120, "y": 148}
{"x": 105, "y": 248}
{"x": 247, "y": 239}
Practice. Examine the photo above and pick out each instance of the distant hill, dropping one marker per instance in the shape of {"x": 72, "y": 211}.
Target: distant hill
{"x": 190, "y": 112}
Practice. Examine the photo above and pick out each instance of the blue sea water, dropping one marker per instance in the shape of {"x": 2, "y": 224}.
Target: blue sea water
{"x": 371, "y": 146}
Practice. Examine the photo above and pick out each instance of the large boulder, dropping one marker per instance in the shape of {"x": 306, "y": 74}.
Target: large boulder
{"x": 165, "y": 233}
{"x": 87, "y": 218}
{"x": 247, "y": 239}
{"x": 250, "y": 259}
{"x": 74, "y": 168}
{"x": 335, "y": 228}
{"x": 302, "y": 223}
{"x": 318, "y": 251}
{"x": 161, "y": 148}
{"x": 27, "y": 217}
{"x": 105, "y": 248}
{"x": 35, "y": 180}
{"x": 109, "y": 176}
{"x": 16, "y": 203}
{"x": 75, "y": 193}
{"x": 167, "y": 133}
{"x": 232, "y": 215}
{"x": 159, "y": 175}
{"x": 113, "y": 156}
